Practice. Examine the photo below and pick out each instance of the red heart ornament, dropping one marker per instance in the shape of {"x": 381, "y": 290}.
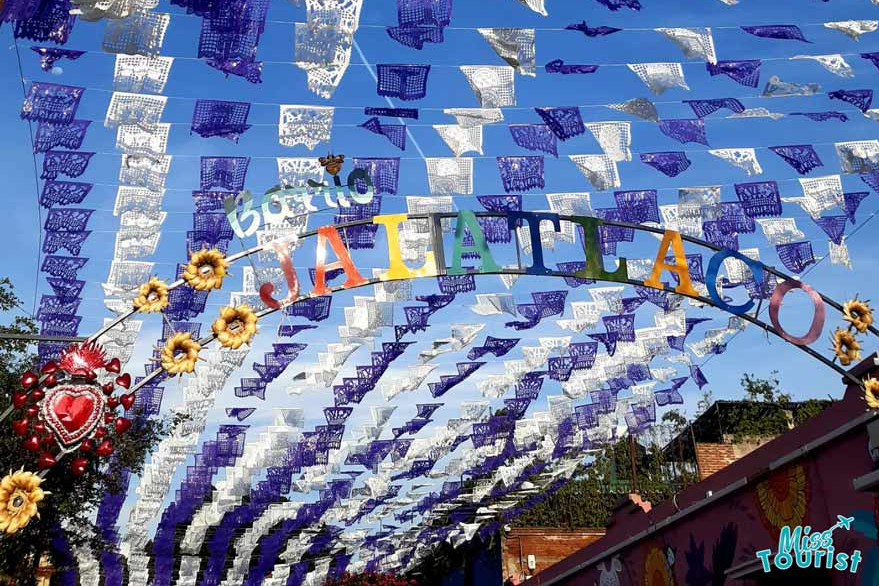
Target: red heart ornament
{"x": 91, "y": 375}
{"x": 108, "y": 417}
{"x": 32, "y": 411}
{"x": 122, "y": 425}
{"x": 31, "y": 444}
{"x": 77, "y": 466}
{"x": 29, "y": 379}
{"x": 37, "y": 394}
{"x": 104, "y": 449}
{"x": 86, "y": 446}
{"x": 100, "y": 432}
{"x": 124, "y": 380}
{"x": 114, "y": 366}
{"x": 51, "y": 380}
{"x": 46, "y": 460}
{"x": 112, "y": 402}
{"x": 49, "y": 367}
{"x": 48, "y": 440}
{"x": 72, "y": 412}
{"x": 20, "y": 427}
{"x": 18, "y": 400}
{"x": 107, "y": 388}
{"x": 40, "y": 427}
{"x": 127, "y": 400}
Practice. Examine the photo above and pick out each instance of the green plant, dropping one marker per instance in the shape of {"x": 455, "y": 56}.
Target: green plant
{"x": 72, "y": 501}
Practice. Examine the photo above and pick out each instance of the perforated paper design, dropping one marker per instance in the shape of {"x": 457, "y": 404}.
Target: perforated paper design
{"x": 744, "y": 158}
{"x": 470, "y": 117}
{"x": 126, "y": 108}
{"x": 493, "y": 85}
{"x": 853, "y": 28}
{"x": 614, "y": 138}
{"x": 660, "y": 77}
{"x": 450, "y": 175}
{"x": 835, "y": 64}
{"x": 141, "y": 33}
{"x": 139, "y": 74}
{"x": 145, "y": 171}
{"x": 138, "y": 140}
{"x": 696, "y": 43}
{"x": 306, "y": 125}
{"x": 461, "y": 140}
{"x": 599, "y": 170}
{"x": 858, "y": 156}
{"x": 513, "y": 45}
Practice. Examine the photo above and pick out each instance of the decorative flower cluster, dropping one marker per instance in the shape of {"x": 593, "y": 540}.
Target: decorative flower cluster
{"x": 20, "y": 493}
{"x": 235, "y": 326}
{"x": 860, "y": 318}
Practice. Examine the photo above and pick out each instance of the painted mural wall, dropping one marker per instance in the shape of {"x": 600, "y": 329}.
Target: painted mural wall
{"x": 812, "y": 491}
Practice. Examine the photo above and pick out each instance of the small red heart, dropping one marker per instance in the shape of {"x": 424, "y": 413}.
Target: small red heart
{"x": 48, "y": 440}
{"x": 108, "y": 417}
{"x": 39, "y": 427}
{"x": 46, "y": 460}
{"x": 122, "y": 425}
{"x": 18, "y": 400}
{"x": 107, "y": 388}
{"x": 32, "y": 411}
{"x": 37, "y": 394}
{"x": 100, "y": 432}
{"x": 127, "y": 400}
{"x": 31, "y": 444}
{"x": 51, "y": 380}
{"x": 49, "y": 367}
{"x": 124, "y": 380}
{"x": 105, "y": 449}
{"x": 112, "y": 402}
{"x": 77, "y": 466}
{"x": 20, "y": 427}
{"x": 29, "y": 379}
{"x": 91, "y": 375}
{"x": 86, "y": 446}
{"x": 113, "y": 366}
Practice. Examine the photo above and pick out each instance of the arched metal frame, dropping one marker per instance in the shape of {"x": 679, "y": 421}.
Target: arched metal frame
{"x": 441, "y": 270}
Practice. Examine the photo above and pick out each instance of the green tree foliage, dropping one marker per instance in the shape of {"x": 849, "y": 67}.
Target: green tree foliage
{"x": 73, "y": 499}
{"x": 766, "y": 410}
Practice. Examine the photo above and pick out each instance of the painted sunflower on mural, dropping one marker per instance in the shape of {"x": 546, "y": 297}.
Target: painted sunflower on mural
{"x": 656, "y": 570}
{"x": 783, "y": 499}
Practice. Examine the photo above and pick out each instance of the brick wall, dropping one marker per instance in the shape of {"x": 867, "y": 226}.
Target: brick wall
{"x": 548, "y": 545}
{"x": 713, "y": 457}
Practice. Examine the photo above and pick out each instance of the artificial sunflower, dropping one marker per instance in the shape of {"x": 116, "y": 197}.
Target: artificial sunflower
{"x": 871, "y": 392}
{"x": 152, "y": 296}
{"x": 180, "y": 354}
{"x": 858, "y": 313}
{"x": 235, "y": 326}
{"x": 845, "y": 346}
{"x": 206, "y": 269}
{"x": 19, "y": 494}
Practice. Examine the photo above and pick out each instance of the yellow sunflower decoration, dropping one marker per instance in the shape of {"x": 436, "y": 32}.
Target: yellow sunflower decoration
{"x": 783, "y": 499}
{"x": 846, "y": 348}
{"x": 858, "y": 314}
{"x": 180, "y": 354}
{"x": 152, "y": 296}
{"x": 235, "y": 326}
{"x": 206, "y": 270}
{"x": 871, "y": 392}
{"x": 19, "y": 494}
{"x": 656, "y": 570}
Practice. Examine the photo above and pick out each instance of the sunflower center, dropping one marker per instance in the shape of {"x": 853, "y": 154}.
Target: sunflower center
{"x": 153, "y": 296}
{"x": 206, "y": 270}
{"x": 179, "y": 354}
{"x": 235, "y": 325}
{"x": 17, "y": 501}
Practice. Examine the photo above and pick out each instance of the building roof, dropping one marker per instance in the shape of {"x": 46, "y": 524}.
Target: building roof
{"x": 840, "y": 417}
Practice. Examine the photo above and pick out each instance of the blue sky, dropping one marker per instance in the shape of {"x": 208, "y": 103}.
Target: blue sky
{"x": 285, "y": 83}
